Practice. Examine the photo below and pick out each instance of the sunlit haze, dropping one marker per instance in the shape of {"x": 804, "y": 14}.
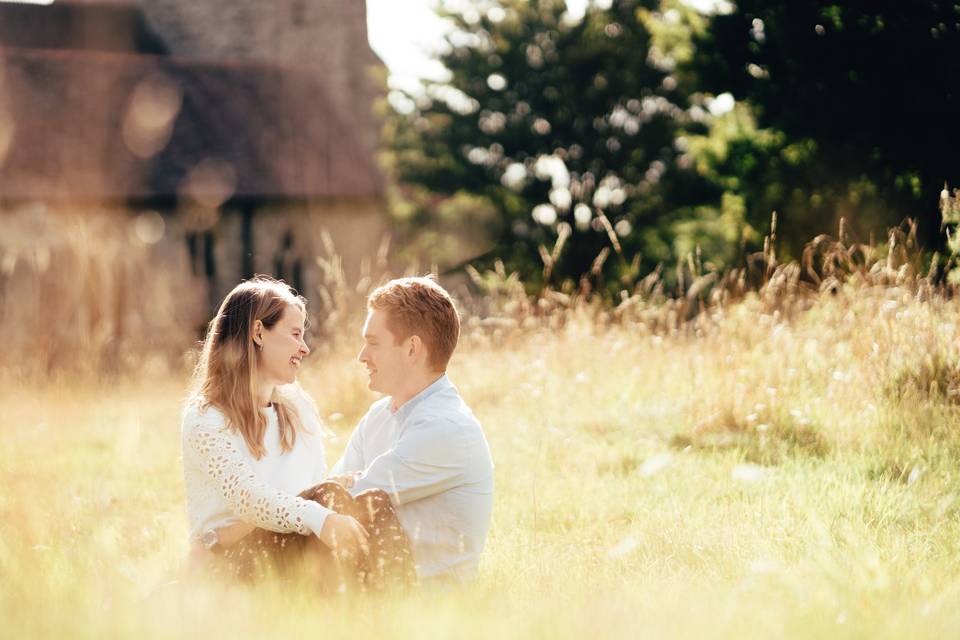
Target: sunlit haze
{"x": 406, "y": 34}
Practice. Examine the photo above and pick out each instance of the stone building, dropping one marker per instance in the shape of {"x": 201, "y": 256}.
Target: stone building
{"x": 248, "y": 126}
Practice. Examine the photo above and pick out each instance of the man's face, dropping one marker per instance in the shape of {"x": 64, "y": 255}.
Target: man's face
{"x": 386, "y": 358}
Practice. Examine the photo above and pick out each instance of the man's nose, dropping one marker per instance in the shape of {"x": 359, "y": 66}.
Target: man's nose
{"x": 362, "y": 355}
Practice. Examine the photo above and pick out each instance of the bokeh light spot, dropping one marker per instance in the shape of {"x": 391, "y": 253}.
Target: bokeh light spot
{"x": 544, "y": 214}
{"x": 149, "y": 227}
{"x": 148, "y": 122}
{"x": 496, "y": 82}
{"x": 211, "y": 183}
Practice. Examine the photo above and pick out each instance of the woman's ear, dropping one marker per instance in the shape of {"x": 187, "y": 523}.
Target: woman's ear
{"x": 258, "y": 334}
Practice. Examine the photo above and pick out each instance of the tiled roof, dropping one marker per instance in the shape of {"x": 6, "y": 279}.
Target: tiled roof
{"x": 105, "y": 125}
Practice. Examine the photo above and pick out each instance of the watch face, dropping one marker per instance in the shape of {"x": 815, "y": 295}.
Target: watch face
{"x": 210, "y": 539}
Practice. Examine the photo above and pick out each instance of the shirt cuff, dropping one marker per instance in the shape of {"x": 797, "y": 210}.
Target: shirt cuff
{"x": 314, "y": 516}
{"x": 362, "y": 484}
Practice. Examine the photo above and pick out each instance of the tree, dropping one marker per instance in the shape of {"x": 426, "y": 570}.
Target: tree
{"x": 858, "y": 99}
{"x": 551, "y": 126}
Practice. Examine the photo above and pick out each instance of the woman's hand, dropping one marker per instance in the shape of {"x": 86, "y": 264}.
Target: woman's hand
{"x": 344, "y": 535}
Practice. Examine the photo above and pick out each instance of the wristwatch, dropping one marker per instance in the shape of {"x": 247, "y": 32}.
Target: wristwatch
{"x": 210, "y": 540}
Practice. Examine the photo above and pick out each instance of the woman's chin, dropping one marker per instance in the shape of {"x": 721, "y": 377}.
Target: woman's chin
{"x": 292, "y": 374}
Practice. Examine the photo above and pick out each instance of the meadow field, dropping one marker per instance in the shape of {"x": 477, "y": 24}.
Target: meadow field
{"x": 782, "y": 464}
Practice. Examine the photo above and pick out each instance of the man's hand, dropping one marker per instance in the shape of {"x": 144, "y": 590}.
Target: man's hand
{"x": 344, "y": 535}
{"x": 346, "y": 480}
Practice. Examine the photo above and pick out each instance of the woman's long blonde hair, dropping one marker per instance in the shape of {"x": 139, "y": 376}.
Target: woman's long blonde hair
{"x": 226, "y": 374}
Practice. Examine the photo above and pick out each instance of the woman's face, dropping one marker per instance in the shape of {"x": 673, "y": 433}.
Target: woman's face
{"x": 283, "y": 347}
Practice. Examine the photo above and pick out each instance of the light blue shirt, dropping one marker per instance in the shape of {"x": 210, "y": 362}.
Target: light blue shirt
{"x": 432, "y": 458}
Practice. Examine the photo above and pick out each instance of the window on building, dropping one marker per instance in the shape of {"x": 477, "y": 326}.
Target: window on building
{"x": 287, "y": 264}
{"x": 298, "y": 13}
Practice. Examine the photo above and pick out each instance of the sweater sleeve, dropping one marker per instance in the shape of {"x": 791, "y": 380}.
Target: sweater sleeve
{"x": 251, "y": 499}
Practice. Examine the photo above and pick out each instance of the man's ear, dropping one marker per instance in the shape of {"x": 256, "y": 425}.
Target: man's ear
{"x": 416, "y": 346}
{"x": 257, "y": 333}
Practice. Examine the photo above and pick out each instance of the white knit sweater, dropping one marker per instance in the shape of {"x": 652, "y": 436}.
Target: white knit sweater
{"x": 226, "y": 484}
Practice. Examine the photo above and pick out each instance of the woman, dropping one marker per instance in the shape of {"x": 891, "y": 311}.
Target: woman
{"x": 252, "y": 457}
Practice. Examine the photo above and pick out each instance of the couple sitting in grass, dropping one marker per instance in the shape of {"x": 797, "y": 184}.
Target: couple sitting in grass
{"x": 411, "y": 498}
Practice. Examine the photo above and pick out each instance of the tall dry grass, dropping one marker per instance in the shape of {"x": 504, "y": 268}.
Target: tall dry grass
{"x": 83, "y": 294}
{"x": 769, "y": 453}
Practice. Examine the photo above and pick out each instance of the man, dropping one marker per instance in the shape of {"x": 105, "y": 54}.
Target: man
{"x": 421, "y": 443}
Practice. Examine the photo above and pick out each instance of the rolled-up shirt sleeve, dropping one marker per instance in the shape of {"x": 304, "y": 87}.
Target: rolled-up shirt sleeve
{"x": 427, "y": 459}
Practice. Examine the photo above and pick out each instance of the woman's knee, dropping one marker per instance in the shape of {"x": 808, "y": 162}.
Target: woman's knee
{"x": 329, "y": 494}
{"x": 375, "y": 503}
{"x": 374, "y": 496}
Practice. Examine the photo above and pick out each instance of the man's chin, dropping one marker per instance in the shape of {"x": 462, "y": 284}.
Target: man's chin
{"x": 377, "y": 388}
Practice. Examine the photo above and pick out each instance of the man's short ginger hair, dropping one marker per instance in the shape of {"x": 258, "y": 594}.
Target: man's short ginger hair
{"x": 419, "y": 306}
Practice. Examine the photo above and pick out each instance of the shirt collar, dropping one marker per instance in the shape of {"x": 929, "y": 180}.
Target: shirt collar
{"x": 407, "y": 408}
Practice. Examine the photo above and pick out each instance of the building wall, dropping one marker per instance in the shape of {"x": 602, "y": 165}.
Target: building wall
{"x": 287, "y": 238}
{"x": 203, "y": 262}
{"x": 84, "y": 287}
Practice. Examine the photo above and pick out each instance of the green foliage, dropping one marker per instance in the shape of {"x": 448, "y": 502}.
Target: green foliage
{"x": 950, "y": 210}
{"x": 840, "y": 115}
{"x": 564, "y": 128}
{"x": 854, "y": 102}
